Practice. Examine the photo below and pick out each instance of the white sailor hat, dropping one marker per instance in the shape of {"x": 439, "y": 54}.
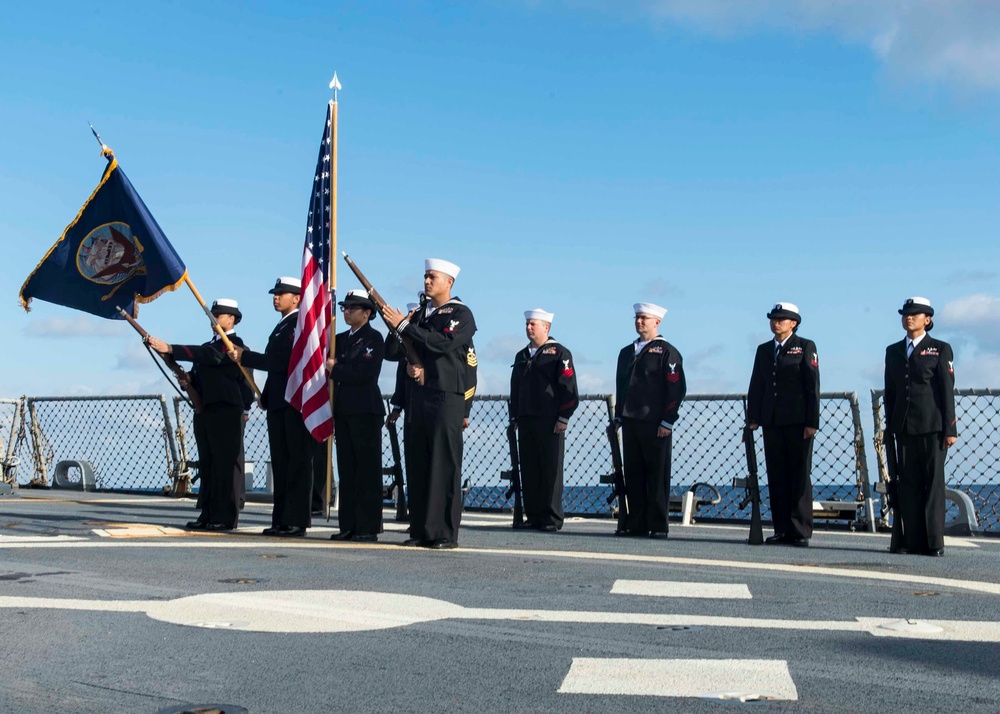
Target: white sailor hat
{"x": 225, "y": 306}
{"x": 785, "y": 311}
{"x": 648, "y": 308}
{"x": 916, "y": 306}
{"x": 286, "y": 285}
{"x": 442, "y": 266}
{"x": 539, "y": 314}
{"x": 361, "y": 298}
{"x": 411, "y": 306}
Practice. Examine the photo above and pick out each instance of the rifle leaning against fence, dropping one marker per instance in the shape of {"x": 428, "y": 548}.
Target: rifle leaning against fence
{"x": 397, "y": 473}
{"x": 752, "y": 485}
{"x": 515, "y": 475}
{"x": 618, "y": 469}
{"x": 179, "y": 372}
{"x": 411, "y": 354}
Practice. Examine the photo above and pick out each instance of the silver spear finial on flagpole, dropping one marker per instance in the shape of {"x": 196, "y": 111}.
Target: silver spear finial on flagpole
{"x": 335, "y": 85}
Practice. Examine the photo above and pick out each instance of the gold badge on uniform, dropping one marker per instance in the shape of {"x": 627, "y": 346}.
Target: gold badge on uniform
{"x": 471, "y": 359}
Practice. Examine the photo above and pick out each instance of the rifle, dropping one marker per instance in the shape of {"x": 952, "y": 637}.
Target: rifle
{"x": 515, "y": 475}
{"x": 179, "y": 372}
{"x": 752, "y": 486}
{"x": 411, "y": 354}
{"x": 397, "y": 474}
{"x": 891, "y": 486}
{"x": 619, "y": 472}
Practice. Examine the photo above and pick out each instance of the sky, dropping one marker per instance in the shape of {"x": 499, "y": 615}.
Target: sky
{"x": 711, "y": 157}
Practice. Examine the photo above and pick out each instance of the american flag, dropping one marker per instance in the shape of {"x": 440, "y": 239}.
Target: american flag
{"x": 307, "y": 381}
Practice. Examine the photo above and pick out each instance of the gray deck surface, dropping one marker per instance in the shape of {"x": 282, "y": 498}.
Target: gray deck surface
{"x": 87, "y": 584}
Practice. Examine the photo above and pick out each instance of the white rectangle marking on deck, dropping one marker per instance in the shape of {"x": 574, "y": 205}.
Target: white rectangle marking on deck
{"x": 667, "y": 588}
{"x": 707, "y": 678}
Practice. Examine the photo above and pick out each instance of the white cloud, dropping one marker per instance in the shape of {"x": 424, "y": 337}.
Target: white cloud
{"x": 953, "y": 42}
{"x": 135, "y": 357}
{"x": 82, "y": 326}
{"x": 977, "y": 316}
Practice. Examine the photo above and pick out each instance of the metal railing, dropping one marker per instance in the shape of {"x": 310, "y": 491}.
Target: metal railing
{"x": 137, "y": 443}
{"x": 972, "y": 465}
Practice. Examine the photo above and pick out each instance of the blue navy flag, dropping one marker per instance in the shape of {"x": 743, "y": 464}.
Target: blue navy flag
{"x": 113, "y": 253}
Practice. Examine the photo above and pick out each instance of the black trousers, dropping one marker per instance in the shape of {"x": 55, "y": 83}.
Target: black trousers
{"x": 218, "y": 432}
{"x": 918, "y": 524}
{"x": 359, "y": 465}
{"x": 647, "y": 476}
{"x": 541, "y": 455}
{"x": 433, "y": 446}
{"x": 789, "y": 462}
{"x": 291, "y": 463}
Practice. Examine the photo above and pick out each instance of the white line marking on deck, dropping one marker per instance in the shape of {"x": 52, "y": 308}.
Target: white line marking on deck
{"x": 673, "y": 588}
{"x": 211, "y": 540}
{"x": 331, "y": 611}
{"x": 739, "y": 679}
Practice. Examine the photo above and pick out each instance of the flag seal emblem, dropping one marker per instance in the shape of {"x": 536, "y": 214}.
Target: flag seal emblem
{"x": 110, "y": 254}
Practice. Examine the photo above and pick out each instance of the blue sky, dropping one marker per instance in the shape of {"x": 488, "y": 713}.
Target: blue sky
{"x": 713, "y": 157}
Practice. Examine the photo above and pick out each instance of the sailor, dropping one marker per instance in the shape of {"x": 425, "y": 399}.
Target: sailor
{"x": 441, "y": 332}
{"x": 783, "y": 397}
{"x": 543, "y": 397}
{"x": 290, "y": 442}
{"x": 650, "y": 386}
{"x": 358, "y": 411}
{"x": 218, "y": 428}
{"x": 920, "y": 413}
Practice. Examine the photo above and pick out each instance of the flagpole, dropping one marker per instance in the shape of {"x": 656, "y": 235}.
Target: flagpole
{"x": 222, "y": 333}
{"x": 332, "y": 342}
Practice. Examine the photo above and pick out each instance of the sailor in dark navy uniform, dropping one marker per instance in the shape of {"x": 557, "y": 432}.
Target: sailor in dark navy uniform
{"x": 357, "y": 411}
{"x": 650, "y": 386}
{"x": 441, "y": 332}
{"x": 292, "y": 446}
{"x": 784, "y": 398}
{"x": 543, "y": 397}
{"x": 920, "y": 412}
{"x": 218, "y": 428}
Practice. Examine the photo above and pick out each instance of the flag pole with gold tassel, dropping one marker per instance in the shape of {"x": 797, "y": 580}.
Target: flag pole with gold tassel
{"x": 332, "y": 342}
{"x": 109, "y": 155}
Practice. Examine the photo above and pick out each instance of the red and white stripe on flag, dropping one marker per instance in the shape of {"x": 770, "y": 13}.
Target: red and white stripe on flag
{"x": 307, "y": 388}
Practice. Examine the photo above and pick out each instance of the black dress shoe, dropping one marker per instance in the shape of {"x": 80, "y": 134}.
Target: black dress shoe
{"x": 317, "y": 512}
{"x": 218, "y": 527}
{"x": 548, "y": 528}
{"x": 639, "y": 534}
{"x": 196, "y": 525}
{"x": 523, "y": 525}
{"x": 442, "y": 544}
{"x": 269, "y": 531}
{"x": 799, "y": 542}
{"x": 659, "y": 535}
{"x": 365, "y": 538}
{"x": 776, "y": 539}
{"x": 413, "y": 542}
{"x": 291, "y": 532}
{"x": 623, "y": 532}
{"x": 343, "y": 535}
{"x": 935, "y": 552}
{"x": 899, "y": 551}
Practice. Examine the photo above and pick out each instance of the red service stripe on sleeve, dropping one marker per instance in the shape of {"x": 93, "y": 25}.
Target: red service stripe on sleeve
{"x": 187, "y": 350}
{"x": 567, "y": 405}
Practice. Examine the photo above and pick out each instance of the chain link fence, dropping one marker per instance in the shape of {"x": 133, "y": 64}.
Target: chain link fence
{"x": 140, "y": 443}
{"x": 127, "y": 439}
{"x": 972, "y": 465}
